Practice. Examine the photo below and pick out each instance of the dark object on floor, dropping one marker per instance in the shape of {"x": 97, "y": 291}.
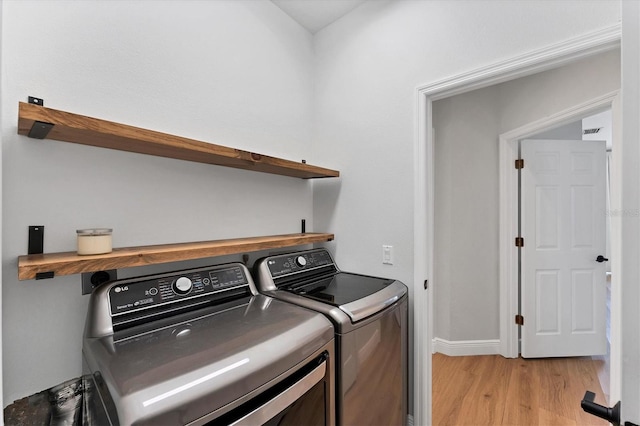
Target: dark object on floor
{"x": 59, "y": 406}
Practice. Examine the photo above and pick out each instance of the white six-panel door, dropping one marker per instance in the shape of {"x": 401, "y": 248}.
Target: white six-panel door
{"x": 563, "y": 292}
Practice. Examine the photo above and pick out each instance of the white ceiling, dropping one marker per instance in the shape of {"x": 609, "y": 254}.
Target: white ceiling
{"x": 316, "y": 14}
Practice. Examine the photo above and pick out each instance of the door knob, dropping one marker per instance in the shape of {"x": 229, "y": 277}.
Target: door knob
{"x": 601, "y": 259}
{"x": 611, "y": 415}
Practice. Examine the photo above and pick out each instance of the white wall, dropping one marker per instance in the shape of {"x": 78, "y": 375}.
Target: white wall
{"x": 466, "y": 223}
{"x": 571, "y": 131}
{"x": 628, "y": 317}
{"x": 234, "y": 73}
{"x": 368, "y": 65}
{"x": 467, "y": 128}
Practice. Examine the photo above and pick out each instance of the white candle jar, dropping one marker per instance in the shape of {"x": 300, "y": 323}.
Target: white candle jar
{"x": 94, "y": 241}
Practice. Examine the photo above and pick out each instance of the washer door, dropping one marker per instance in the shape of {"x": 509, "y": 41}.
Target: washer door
{"x": 301, "y": 399}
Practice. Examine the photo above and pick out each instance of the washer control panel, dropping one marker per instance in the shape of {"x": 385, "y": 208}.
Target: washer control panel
{"x": 297, "y": 262}
{"x": 129, "y": 296}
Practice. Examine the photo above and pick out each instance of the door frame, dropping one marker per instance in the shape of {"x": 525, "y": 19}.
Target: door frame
{"x": 508, "y": 152}
{"x": 536, "y": 61}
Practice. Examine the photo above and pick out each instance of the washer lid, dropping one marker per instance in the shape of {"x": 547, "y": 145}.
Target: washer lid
{"x": 359, "y": 296}
{"x": 181, "y": 372}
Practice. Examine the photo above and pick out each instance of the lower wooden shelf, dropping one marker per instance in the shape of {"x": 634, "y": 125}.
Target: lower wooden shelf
{"x": 69, "y": 263}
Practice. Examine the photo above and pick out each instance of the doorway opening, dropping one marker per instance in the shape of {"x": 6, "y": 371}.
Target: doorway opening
{"x": 509, "y": 228}
{"x": 549, "y": 58}
{"x": 458, "y": 213}
{"x": 586, "y": 250}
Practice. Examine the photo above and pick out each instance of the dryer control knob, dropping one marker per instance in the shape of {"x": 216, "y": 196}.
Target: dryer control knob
{"x": 301, "y": 261}
{"x": 182, "y": 285}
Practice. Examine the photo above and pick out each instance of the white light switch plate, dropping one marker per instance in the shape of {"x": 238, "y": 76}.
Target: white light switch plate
{"x": 387, "y": 255}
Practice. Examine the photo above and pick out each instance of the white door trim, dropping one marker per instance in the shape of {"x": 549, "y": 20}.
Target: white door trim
{"x": 508, "y": 152}
{"x": 2, "y": 87}
{"x": 543, "y": 59}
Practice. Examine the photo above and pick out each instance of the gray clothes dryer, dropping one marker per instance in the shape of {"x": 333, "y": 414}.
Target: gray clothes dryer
{"x": 370, "y": 319}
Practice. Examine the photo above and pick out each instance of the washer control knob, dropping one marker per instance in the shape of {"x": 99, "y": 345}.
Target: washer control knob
{"x": 182, "y": 285}
{"x": 301, "y": 261}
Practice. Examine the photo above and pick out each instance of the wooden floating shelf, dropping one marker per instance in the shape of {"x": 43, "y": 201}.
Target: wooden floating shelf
{"x": 45, "y": 123}
{"x": 70, "y": 263}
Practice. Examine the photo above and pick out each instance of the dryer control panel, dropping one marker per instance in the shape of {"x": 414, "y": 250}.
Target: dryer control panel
{"x": 126, "y": 296}
{"x": 297, "y": 262}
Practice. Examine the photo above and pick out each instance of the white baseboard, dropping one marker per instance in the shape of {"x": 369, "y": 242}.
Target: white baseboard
{"x": 466, "y": 347}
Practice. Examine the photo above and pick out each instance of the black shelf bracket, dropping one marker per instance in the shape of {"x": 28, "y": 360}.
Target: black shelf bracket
{"x": 40, "y": 130}
{"x": 35, "y": 101}
{"x": 36, "y": 239}
{"x": 44, "y": 275}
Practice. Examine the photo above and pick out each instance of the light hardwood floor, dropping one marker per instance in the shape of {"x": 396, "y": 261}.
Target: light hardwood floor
{"x": 492, "y": 390}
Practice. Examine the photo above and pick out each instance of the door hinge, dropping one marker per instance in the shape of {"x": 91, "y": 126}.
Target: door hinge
{"x": 519, "y": 319}
{"x": 426, "y": 284}
{"x": 519, "y": 163}
{"x": 519, "y": 242}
